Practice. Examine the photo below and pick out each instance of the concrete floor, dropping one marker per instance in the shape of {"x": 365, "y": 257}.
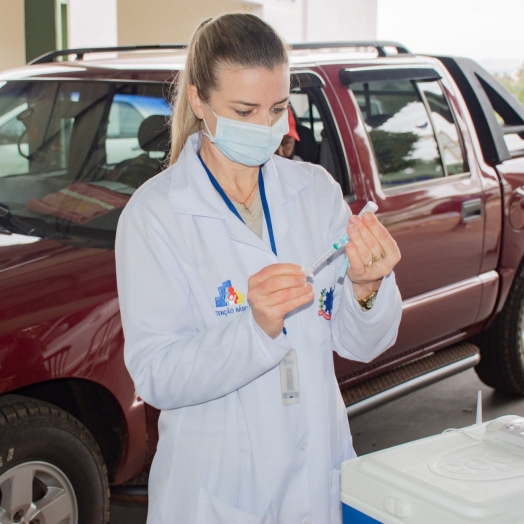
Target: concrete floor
{"x": 450, "y": 403}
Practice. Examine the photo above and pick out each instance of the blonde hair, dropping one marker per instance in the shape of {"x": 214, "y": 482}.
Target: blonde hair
{"x": 234, "y": 39}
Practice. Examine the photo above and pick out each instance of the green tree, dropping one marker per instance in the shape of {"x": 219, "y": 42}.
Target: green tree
{"x": 392, "y": 150}
{"x": 514, "y": 84}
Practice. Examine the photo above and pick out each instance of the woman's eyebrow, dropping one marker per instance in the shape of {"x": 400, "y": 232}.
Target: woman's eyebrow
{"x": 251, "y": 104}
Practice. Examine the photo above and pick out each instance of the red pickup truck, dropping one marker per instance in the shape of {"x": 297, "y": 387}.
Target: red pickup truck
{"x": 436, "y": 142}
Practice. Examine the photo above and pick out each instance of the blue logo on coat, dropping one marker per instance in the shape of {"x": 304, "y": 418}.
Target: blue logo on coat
{"x": 326, "y": 303}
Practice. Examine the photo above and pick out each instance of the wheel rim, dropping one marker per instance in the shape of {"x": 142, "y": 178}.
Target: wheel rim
{"x": 37, "y": 493}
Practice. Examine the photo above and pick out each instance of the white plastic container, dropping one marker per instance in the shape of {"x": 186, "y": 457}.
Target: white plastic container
{"x": 471, "y": 475}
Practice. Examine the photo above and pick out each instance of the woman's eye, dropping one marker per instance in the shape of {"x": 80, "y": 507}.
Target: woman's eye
{"x": 279, "y": 110}
{"x": 243, "y": 113}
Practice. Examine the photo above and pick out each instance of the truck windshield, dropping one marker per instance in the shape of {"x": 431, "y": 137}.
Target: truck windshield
{"x": 72, "y": 153}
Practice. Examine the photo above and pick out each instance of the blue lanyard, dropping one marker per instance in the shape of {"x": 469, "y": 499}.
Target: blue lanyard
{"x": 233, "y": 209}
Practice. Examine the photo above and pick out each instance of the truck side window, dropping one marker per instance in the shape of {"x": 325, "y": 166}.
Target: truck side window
{"x": 400, "y": 131}
{"x": 318, "y": 140}
{"x": 445, "y": 127}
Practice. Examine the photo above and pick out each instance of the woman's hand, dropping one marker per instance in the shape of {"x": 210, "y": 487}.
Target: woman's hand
{"x": 275, "y": 291}
{"x": 372, "y": 253}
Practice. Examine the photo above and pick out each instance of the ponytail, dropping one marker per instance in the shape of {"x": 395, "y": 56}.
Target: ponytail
{"x": 237, "y": 39}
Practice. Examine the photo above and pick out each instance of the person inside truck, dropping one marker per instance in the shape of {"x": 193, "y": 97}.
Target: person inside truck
{"x": 287, "y": 145}
{"x": 222, "y": 331}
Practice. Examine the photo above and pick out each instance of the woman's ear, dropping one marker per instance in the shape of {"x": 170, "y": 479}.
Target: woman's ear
{"x": 195, "y": 101}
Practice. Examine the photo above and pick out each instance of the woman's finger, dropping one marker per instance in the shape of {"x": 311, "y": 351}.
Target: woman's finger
{"x": 357, "y": 266}
{"x": 383, "y": 237}
{"x": 275, "y": 270}
{"x": 286, "y": 296}
{"x": 297, "y": 301}
{"x": 278, "y": 283}
{"x": 371, "y": 241}
{"x": 358, "y": 241}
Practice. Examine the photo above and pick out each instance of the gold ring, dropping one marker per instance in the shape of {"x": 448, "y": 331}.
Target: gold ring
{"x": 370, "y": 263}
{"x": 380, "y": 257}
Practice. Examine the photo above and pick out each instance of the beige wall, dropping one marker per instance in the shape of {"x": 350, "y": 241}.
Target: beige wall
{"x": 344, "y": 20}
{"x": 85, "y": 15}
{"x": 169, "y": 21}
{"x": 12, "y": 40}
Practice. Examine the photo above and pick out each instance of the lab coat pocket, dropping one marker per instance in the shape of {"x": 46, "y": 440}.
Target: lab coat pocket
{"x": 334, "y": 490}
{"x": 212, "y": 510}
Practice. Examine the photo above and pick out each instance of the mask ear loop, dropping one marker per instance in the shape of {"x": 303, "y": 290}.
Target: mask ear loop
{"x": 208, "y": 134}
{"x": 204, "y": 123}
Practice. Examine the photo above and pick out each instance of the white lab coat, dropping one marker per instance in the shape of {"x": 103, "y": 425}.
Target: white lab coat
{"x": 229, "y": 451}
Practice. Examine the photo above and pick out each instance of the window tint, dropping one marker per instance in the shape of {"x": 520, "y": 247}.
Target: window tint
{"x": 124, "y": 120}
{"x": 127, "y": 113}
{"x": 12, "y": 129}
{"x": 73, "y": 153}
{"x": 400, "y": 131}
{"x": 515, "y": 144}
{"x": 445, "y": 127}
{"x": 307, "y": 114}
{"x": 316, "y": 143}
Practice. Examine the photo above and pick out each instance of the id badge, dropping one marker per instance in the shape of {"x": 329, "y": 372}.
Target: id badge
{"x": 289, "y": 379}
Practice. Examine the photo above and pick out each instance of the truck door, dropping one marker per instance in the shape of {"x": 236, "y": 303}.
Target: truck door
{"x": 426, "y": 183}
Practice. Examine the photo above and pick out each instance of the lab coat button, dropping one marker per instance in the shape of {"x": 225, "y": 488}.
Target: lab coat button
{"x": 308, "y": 521}
{"x": 302, "y": 447}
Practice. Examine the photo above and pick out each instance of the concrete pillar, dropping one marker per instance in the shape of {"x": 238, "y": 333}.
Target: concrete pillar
{"x": 12, "y": 39}
{"x": 40, "y": 27}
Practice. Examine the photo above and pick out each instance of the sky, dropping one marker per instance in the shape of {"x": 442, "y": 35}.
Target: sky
{"x": 489, "y": 31}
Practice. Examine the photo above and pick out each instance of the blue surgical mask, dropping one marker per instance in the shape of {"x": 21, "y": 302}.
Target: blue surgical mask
{"x": 247, "y": 144}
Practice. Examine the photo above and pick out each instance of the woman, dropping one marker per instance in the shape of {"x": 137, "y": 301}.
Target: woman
{"x": 223, "y": 334}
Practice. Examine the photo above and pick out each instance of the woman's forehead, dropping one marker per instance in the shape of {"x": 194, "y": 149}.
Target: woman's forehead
{"x": 256, "y": 85}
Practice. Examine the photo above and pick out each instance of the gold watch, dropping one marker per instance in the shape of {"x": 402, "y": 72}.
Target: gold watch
{"x": 369, "y": 301}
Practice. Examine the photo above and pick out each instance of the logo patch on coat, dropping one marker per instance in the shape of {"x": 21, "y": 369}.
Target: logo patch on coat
{"x": 326, "y": 303}
{"x": 228, "y": 296}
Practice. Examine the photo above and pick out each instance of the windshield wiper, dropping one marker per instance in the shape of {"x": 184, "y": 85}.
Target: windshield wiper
{"x": 6, "y": 215}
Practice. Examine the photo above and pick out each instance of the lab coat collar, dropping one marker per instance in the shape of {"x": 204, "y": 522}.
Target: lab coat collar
{"x": 192, "y": 193}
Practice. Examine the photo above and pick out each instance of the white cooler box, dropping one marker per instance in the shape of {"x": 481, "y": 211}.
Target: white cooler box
{"x": 471, "y": 475}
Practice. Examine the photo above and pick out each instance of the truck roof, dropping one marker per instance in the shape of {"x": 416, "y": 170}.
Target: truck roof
{"x": 155, "y": 63}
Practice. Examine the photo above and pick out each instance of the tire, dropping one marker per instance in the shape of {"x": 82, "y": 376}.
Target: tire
{"x": 54, "y": 463}
{"x": 502, "y": 344}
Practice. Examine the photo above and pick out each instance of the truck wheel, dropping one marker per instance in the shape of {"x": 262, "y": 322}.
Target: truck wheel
{"x": 51, "y": 469}
{"x": 502, "y": 344}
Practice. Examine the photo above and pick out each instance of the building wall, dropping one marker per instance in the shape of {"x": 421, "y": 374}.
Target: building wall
{"x": 172, "y": 21}
{"x": 92, "y": 23}
{"x": 168, "y": 21}
{"x": 286, "y": 16}
{"x": 341, "y": 20}
{"x": 95, "y": 23}
{"x": 12, "y": 35}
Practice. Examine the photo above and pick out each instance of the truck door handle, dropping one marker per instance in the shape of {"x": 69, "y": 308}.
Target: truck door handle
{"x": 471, "y": 210}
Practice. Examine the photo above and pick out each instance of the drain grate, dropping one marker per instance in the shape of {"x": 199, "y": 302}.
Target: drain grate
{"x": 407, "y": 372}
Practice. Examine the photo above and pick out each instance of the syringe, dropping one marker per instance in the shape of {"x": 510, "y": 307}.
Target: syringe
{"x": 370, "y": 207}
